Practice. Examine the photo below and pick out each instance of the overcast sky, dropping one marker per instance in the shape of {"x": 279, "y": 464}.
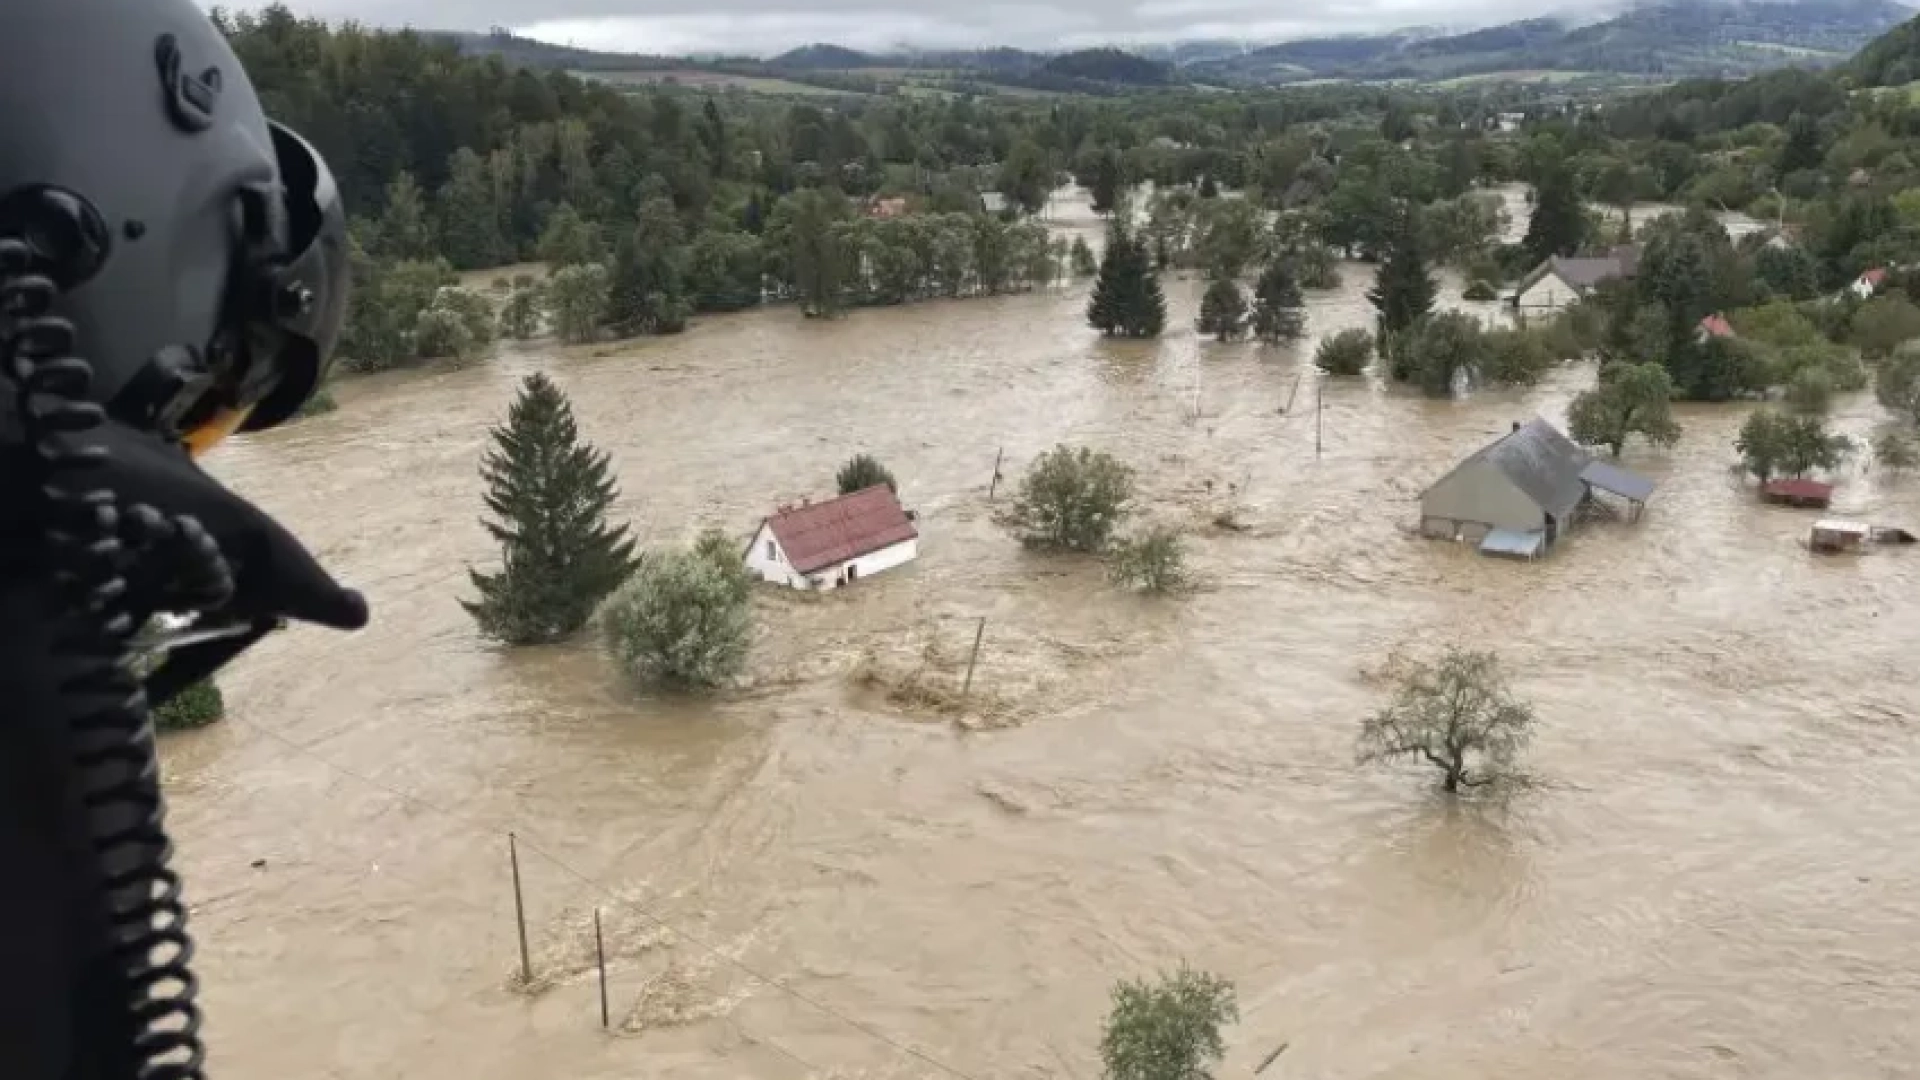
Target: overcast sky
{"x": 768, "y": 26}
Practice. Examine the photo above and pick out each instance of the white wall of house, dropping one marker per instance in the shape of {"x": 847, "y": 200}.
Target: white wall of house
{"x": 1863, "y": 288}
{"x": 1471, "y": 500}
{"x": 1550, "y": 294}
{"x": 766, "y": 561}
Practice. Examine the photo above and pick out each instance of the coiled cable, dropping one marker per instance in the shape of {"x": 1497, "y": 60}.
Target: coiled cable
{"x": 93, "y": 543}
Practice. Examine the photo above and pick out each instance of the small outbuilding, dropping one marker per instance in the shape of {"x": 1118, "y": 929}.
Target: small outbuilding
{"x": 829, "y": 544}
{"x": 1517, "y": 495}
{"x": 1809, "y": 494}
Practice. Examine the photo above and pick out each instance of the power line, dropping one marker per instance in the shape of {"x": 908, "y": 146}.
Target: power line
{"x": 639, "y": 905}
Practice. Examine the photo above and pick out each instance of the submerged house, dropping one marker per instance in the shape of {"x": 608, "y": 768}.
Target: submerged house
{"x": 1560, "y": 282}
{"x": 829, "y": 544}
{"x": 1518, "y": 494}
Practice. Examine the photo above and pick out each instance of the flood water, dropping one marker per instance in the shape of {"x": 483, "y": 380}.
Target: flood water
{"x": 1717, "y": 876}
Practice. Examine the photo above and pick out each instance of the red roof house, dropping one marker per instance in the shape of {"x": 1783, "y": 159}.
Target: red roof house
{"x": 1868, "y": 283}
{"x": 828, "y": 544}
{"x": 1805, "y": 493}
{"x": 1716, "y": 326}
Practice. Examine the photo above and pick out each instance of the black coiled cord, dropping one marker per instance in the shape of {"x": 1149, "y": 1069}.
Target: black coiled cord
{"x": 93, "y": 544}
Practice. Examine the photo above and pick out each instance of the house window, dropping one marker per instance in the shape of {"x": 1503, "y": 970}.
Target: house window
{"x": 772, "y": 553}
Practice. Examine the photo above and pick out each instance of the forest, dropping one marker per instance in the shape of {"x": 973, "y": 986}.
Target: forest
{"x": 659, "y": 204}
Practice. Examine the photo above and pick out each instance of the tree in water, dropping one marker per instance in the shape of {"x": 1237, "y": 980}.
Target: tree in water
{"x": 1208, "y": 188}
{"x": 1895, "y": 452}
{"x": 1279, "y": 313}
{"x": 1456, "y": 715}
{"x": 1105, "y": 179}
{"x": 861, "y": 472}
{"x": 1896, "y": 385}
{"x": 1025, "y": 177}
{"x": 1223, "y": 310}
{"x": 1559, "y": 224}
{"x": 568, "y": 239}
{"x": 1153, "y": 561}
{"x": 1072, "y": 500}
{"x": 1168, "y": 1029}
{"x": 684, "y": 620}
{"x": 1081, "y": 256}
{"x": 646, "y": 293}
{"x": 1629, "y": 399}
{"x": 576, "y": 296}
{"x": 549, "y": 493}
{"x": 1127, "y": 300}
{"x": 520, "y": 315}
{"x": 1404, "y": 291}
{"x": 1772, "y": 444}
{"x": 1346, "y": 353}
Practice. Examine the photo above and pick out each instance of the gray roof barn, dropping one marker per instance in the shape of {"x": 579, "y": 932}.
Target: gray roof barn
{"x": 1583, "y": 272}
{"x": 1529, "y": 481}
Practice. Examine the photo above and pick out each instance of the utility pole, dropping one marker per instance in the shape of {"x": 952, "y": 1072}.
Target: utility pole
{"x": 1319, "y": 418}
{"x": 519, "y": 910}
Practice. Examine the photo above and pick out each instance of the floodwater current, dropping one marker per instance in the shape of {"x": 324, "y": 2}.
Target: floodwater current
{"x": 1717, "y": 875}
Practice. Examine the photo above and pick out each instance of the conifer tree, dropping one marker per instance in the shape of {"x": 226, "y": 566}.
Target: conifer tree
{"x": 1279, "y": 313}
{"x": 550, "y": 493}
{"x": 647, "y": 291}
{"x": 1404, "y": 291}
{"x": 1127, "y": 300}
{"x": 1559, "y": 224}
{"x": 1223, "y": 310}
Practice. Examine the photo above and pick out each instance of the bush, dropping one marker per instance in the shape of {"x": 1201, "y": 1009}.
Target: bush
{"x": 520, "y": 315}
{"x": 1154, "y": 561}
{"x": 1516, "y": 357}
{"x": 1346, "y": 353}
{"x": 861, "y": 472}
{"x": 195, "y": 707}
{"x": 1773, "y": 444}
{"x": 1897, "y": 384}
{"x": 320, "y": 404}
{"x": 459, "y": 323}
{"x": 682, "y": 620}
{"x": 1169, "y": 1029}
{"x": 576, "y": 295}
{"x": 1811, "y": 390}
{"x": 1480, "y": 291}
{"x": 1072, "y": 500}
{"x": 1456, "y": 714}
{"x": 1895, "y": 452}
{"x": 1883, "y": 322}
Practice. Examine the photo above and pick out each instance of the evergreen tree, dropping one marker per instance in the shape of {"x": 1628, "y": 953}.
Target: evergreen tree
{"x": 1105, "y": 179}
{"x": 471, "y": 215}
{"x": 1403, "y": 292}
{"x": 404, "y": 232}
{"x": 1279, "y": 314}
{"x": 1209, "y": 189}
{"x": 1223, "y": 310}
{"x": 568, "y": 239}
{"x": 647, "y": 294}
{"x": 1559, "y": 224}
{"x": 1084, "y": 264}
{"x": 550, "y": 494}
{"x": 1127, "y": 300}
{"x": 1802, "y": 148}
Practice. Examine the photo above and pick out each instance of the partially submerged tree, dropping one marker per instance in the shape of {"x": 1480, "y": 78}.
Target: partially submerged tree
{"x": 1773, "y": 444}
{"x": 861, "y": 472}
{"x": 459, "y": 323}
{"x": 1346, "y": 353}
{"x": 1897, "y": 384}
{"x": 1630, "y": 399}
{"x": 549, "y": 493}
{"x": 1223, "y": 310}
{"x": 1457, "y": 715}
{"x": 1127, "y": 301}
{"x": 1896, "y": 452}
{"x": 1072, "y": 499}
{"x": 1154, "y": 560}
{"x": 684, "y": 620}
{"x": 1081, "y": 256}
{"x": 194, "y": 707}
{"x": 1279, "y": 313}
{"x": 1168, "y": 1029}
{"x": 520, "y": 315}
{"x": 1404, "y": 291}
{"x": 576, "y": 295}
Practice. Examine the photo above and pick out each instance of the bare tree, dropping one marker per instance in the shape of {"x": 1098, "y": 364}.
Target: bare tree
{"x": 1456, "y": 715}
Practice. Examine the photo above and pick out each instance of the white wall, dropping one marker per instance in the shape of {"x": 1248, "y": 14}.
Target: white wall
{"x": 776, "y": 568}
{"x": 1548, "y": 294}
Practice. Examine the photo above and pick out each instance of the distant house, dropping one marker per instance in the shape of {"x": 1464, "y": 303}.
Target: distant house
{"x": 886, "y": 209}
{"x": 1715, "y": 326}
{"x": 1868, "y": 283}
{"x": 1518, "y": 494}
{"x": 1860, "y": 177}
{"x": 1558, "y": 283}
{"x": 829, "y": 544}
{"x": 993, "y": 202}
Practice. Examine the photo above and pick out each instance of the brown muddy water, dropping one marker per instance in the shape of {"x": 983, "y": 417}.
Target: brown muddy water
{"x": 1718, "y": 876}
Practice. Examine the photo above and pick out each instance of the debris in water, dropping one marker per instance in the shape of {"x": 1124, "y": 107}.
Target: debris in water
{"x": 1000, "y": 799}
{"x": 1278, "y": 1050}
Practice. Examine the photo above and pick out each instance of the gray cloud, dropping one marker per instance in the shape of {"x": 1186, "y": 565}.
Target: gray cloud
{"x": 767, "y": 26}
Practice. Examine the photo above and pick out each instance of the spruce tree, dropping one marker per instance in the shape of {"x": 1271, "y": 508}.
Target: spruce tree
{"x": 1279, "y": 313}
{"x": 1559, "y": 224}
{"x": 1223, "y": 310}
{"x": 550, "y": 493}
{"x": 1404, "y": 291}
{"x": 1127, "y": 300}
{"x": 647, "y": 292}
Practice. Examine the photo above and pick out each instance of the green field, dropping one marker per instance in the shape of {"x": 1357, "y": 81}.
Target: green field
{"x": 713, "y": 80}
{"x": 1523, "y": 75}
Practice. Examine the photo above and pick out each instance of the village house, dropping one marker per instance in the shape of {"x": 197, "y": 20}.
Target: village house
{"x": 1869, "y": 282}
{"x": 886, "y": 209}
{"x": 1517, "y": 495}
{"x": 1714, "y": 326}
{"x": 1558, "y": 283}
{"x": 829, "y": 544}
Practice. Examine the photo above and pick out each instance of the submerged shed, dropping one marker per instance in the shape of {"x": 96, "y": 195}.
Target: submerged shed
{"x": 1803, "y": 493}
{"x": 1517, "y": 495}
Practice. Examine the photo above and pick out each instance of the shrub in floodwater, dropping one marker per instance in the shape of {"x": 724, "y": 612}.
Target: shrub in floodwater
{"x": 861, "y": 472}
{"x": 194, "y": 707}
{"x": 1457, "y": 715}
{"x": 549, "y": 492}
{"x": 1168, "y": 1029}
{"x": 1072, "y": 500}
{"x": 1153, "y": 561}
{"x": 1480, "y": 291}
{"x": 682, "y": 620}
{"x": 1346, "y": 353}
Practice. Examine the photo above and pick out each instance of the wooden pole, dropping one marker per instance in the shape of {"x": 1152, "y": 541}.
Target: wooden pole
{"x": 519, "y": 909}
{"x": 600, "y": 952}
{"x": 967, "y": 687}
{"x": 998, "y": 456}
{"x": 1319, "y": 418}
{"x": 1291, "y": 394}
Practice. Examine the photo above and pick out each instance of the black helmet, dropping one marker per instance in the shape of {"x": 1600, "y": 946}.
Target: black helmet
{"x": 200, "y": 249}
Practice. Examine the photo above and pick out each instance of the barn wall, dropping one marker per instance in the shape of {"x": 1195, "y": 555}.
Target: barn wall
{"x": 1478, "y": 494}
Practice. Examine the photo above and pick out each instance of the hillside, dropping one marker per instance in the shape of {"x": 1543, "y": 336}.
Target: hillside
{"x": 819, "y": 57}
{"x": 1893, "y": 59}
{"x": 1659, "y": 39}
{"x": 1110, "y": 66}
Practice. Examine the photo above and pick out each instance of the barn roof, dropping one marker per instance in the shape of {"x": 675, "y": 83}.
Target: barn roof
{"x": 1541, "y": 462}
{"x": 1585, "y": 271}
{"x": 828, "y": 533}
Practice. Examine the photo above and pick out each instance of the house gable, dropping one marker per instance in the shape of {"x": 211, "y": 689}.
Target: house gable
{"x": 1546, "y": 289}
{"x": 1478, "y": 491}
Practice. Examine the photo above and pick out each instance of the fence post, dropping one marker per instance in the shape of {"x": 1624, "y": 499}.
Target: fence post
{"x": 519, "y": 909}
{"x": 600, "y": 953}
{"x": 994, "y": 485}
{"x": 1319, "y": 419}
{"x": 974, "y": 658}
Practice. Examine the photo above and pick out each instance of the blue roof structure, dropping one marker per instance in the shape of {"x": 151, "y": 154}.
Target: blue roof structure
{"x": 1513, "y": 543}
{"x": 1618, "y": 481}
